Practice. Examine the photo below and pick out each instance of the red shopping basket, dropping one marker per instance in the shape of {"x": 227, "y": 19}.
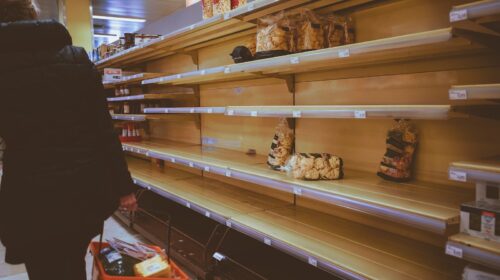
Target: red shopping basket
{"x": 98, "y": 272}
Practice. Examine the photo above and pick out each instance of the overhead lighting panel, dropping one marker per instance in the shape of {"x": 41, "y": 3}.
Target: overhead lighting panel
{"x": 119, "y": 18}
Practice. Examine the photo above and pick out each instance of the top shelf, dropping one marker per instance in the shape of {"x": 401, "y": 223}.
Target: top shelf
{"x": 486, "y": 170}
{"x": 420, "y": 45}
{"x": 474, "y": 10}
{"x": 475, "y": 92}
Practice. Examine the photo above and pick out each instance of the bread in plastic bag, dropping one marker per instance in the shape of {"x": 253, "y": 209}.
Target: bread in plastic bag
{"x": 315, "y": 166}
{"x": 401, "y": 143}
{"x": 207, "y": 7}
{"x": 273, "y": 35}
{"x": 221, "y": 6}
{"x": 237, "y": 3}
{"x": 308, "y": 31}
{"x": 282, "y": 146}
{"x": 339, "y": 30}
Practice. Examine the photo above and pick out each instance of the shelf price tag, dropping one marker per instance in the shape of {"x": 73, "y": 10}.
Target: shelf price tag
{"x": 458, "y": 176}
{"x": 454, "y": 251}
{"x": 294, "y": 60}
{"x": 191, "y": 110}
{"x": 191, "y": 27}
{"x": 297, "y": 191}
{"x": 227, "y": 16}
{"x": 458, "y": 94}
{"x": 458, "y": 15}
{"x": 230, "y": 112}
{"x": 219, "y": 257}
{"x": 360, "y": 114}
{"x": 227, "y": 70}
{"x": 210, "y": 110}
{"x": 191, "y": 164}
{"x": 207, "y": 168}
{"x": 250, "y": 7}
{"x": 203, "y": 72}
{"x": 228, "y": 173}
{"x": 253, "y": 113}
{"x": 268, "y": 241}
{"x": 178, "y": 76}
{"x": 229, "y": 224}
{"x": 135, "y": 181}
{"x": 312, "y": 261}
{"x": 207, "y": 214}
{"x": 297, "y": 114}
{"x": 344, "y": 53}
{"x": 188, "y": 205}
{"x": 166, "y": 111}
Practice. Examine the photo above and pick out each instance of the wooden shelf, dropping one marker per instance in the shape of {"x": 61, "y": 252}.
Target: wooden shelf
{"x": 151, "y": 96}
{"x": 344, "y": 248}
{"x": 475, "y": 92}
{"x": 345, "y": 111}
{"x": 430, "y": 207}
{"x": 338, "y": 246}
{"x": 129, "y": 117}
{"x": 130, "y": 80}
{"x": 486, "y": 170}
{"x": 186, "y": 110}
{"x": 423, "y": 45}
{"x": 475, "y": 250}
{"x": 209, "y": 197}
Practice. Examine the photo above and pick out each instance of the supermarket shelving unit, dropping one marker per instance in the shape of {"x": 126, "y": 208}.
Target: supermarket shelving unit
{"x": 360, "y": 227}
{"x": 130, "y": 80}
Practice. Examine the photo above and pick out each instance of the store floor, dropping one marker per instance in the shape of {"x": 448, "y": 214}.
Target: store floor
{"x": 112, "y": 229}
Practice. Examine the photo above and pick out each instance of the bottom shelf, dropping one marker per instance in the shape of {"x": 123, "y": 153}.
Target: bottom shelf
{"x": 475, "y": 250}
{"x": 339, "y": 246}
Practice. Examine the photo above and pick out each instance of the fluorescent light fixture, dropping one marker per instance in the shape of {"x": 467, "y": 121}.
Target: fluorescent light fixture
{"x": 109, "y": 36}
{"x": 119, "y": 18}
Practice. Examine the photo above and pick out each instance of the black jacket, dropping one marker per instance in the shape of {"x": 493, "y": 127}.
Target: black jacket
{"x": 64, "y": 169}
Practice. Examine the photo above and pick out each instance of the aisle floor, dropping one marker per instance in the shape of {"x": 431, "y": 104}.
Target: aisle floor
{"x": 112, "y": 229}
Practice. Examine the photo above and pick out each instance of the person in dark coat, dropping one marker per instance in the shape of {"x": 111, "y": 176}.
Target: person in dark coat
{"x": 64, "y": 171}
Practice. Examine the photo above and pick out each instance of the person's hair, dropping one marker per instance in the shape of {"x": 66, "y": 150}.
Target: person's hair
{"x": 16, "y": 10}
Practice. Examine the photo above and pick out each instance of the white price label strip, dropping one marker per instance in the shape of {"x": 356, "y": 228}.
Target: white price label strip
{"x": 294, "y": 60}
{"x": 191, "y": 110}
{"x": 458, "y": 176}
{"x": 172, "y": 160}
{"x": 458, "y": 15}
{"x": 344, "y": 53}
{"x": 268, "y": 241}
{"x": 178, "y": 76}
{"x": 166, "y": 111}
{"x": 253, "y": 113}
{"x": 360, "y": 114}
{"x": 312, "y": 261}
{"x": 191, "y": 164}
{"x": 230, "y": 112}
{"x": 227, "y": 70}
{"x": 458, "y": 94}
{"x": 203, "y": 72}
{"x": 297, "y": 191}
{"x": 250, "y": 7}
{"x": 229, "y": 224}
{"x": 228, "y": 173}
{"x": 207, "y": 214}
{"x": 188, "y": 205}
{"x": 210, "y": 110}
{"x": 454, "y": 251}
{"x": 227, "y": 16}
{"x": 297, "y": 114}
{"x": 207, "y": 169}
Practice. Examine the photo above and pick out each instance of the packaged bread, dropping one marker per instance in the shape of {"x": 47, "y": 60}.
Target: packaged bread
{"x": 273, "y": 35}
{"x": 221, "y": 6}
{"x": 207, "y": 7}
{"x": 282, "y": 146}
{"x": 339, "y": 30}
{"x": 237, "y": 3}
{"x": 308, "y": 31}
{"x": 315, "y": 166}
{"x": 401, "y": 142}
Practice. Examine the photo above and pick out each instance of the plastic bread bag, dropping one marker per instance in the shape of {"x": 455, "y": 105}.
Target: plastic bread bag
{"x": 401, "y": 142}
{"x": 221, "y": 6}
{"x": 339, "y": 30}
{"x": 308, "y": 31}
{"x": 273, "y": 36}
{"x": 207, "y": 7}
{"x": 315, "y": 167}
{"x": 282, "y": 146}
{"x": 237, "y": 3}
{"x": 349, "y": 35}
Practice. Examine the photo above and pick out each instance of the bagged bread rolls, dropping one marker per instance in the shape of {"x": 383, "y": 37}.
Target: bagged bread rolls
{"x": 207, "y": 8}
{"x": 315, "y": 167}
{"x": 221, "y": 6}
{"x": 273, "y": 36}
{"x": 282, "y": 146}
{"x": 397, "y": 161}
{"x": 309, "y": 31}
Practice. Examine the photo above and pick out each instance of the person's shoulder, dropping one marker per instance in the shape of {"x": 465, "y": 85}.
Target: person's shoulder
{"x": 74, "y": 55}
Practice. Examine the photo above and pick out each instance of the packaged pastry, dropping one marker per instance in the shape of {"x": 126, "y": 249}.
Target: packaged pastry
{"x": 282, "y": 146}
{"x": 339, "y": 30}
{"x": 221, "y": 6}
{"x": 315, "y": 167}
{"x": 309, "y": 31}
{"x": 207, "y": 8}
{"x": 237, "y": 3}
{"x": 397, "y": 161}
{"x": 273, "y": 36}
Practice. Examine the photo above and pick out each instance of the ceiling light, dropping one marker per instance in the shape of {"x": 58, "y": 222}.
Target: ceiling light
{"x": 120, "y": 18}
{"x": 109, "y": 36}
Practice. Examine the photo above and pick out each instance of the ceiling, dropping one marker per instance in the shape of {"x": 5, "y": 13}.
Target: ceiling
{"x": 150, "y": 10}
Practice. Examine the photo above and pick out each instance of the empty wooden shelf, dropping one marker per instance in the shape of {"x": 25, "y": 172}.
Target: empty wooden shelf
{"x": 128, "y": 117}
{"x": 475, "y": 250}
{"x": 130, "y": 80}
{"x": 186, "y": 110}
{"x": 485, "y": 170}
{"x": 150, "y": 96}
{"x": 473, "y": 92}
